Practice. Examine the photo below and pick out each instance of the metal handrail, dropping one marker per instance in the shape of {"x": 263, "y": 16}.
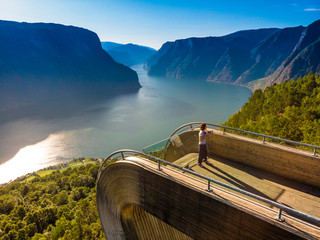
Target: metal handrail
{"x": 191, "y": 124}
{"x": 290, "y": 211}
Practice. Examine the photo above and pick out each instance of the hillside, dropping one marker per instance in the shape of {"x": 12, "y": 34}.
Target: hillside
{"x": 47, "y": 64}
{"x": 218, "y": 59}
{"x": 128, "y": 54}
{"x": 304, "y": 58}
{"x": 61, "y": 204}
{"x": 290, "y": 110}
{"x": 270, "y": 54}
{"x": 252, "y": 58}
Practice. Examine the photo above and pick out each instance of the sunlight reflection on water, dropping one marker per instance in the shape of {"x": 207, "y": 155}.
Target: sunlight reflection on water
{"x": 31, "y": 158}
{"x": 127, "y": 121}
{"x": 41, "y": 155}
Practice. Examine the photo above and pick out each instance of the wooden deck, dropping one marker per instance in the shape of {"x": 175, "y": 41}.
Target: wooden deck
{"x": 299, "y": 196}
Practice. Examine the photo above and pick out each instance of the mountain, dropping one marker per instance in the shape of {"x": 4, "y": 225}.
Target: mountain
{"x": 51, "y": 65}
{"x": 304, "y": 58}
{"x": 253, "y": 58}
{"x": 128, "y": 54}
{"x": 218, "y": 59}
{"x": 109, "y": 45}
{"x": 155, "y": 57}
{"x": 270, "y": 54}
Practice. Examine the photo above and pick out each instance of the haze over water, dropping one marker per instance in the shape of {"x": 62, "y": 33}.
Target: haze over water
{"x": 128, "y": 121}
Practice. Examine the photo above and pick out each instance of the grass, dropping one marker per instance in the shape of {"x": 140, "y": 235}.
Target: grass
{"x": 62, "y": 167}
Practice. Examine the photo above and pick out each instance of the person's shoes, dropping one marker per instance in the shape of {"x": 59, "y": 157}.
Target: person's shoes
{"x": 200, "y": 165}
{"x": 206, "y": 161}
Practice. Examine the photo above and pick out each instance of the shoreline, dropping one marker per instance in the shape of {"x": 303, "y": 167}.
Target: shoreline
{"x": 47, "y": 170}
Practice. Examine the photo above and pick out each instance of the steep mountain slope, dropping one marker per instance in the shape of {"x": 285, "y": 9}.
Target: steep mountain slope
{"x": 253, "y": 58}
{"x": 155, "y": 57}
{"x": 219, "y": 59}
{"x": 42, "y": 63}
{"x": 128, "y": 54}
{"x": 270, "y": 54}
{"x": 303, "y": 59}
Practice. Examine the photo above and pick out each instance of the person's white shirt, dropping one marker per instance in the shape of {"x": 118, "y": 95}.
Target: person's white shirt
{"x": 203, "y": 135}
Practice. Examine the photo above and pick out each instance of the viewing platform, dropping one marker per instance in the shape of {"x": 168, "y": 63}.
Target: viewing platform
{"x": 250, "y": 189}
{"x": 299, "y": 196}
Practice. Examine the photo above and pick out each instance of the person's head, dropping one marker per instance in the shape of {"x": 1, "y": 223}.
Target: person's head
{"x": 203, "y": 126}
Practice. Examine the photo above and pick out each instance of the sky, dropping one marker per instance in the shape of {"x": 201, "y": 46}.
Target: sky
{"x": 154, "y": 22}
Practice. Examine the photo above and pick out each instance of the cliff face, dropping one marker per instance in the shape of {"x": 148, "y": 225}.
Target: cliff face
{"x": 219, "y": 59}
{"x": 44, "y": 62}
{"x": 271, "y": 55}
{"x": 304, "y": 58}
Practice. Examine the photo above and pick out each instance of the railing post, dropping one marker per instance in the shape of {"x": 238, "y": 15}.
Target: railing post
{"x": 191, "y": 126}
{"x": 208, "y": 189}
{"x": 122, "y": 155}
{"x": 264, "y": 140}
{"x": 315, "y": 152}
{"x": 159, "y": 168}
{"x": 224, "y": 131}
{"x": 279, "y": 218}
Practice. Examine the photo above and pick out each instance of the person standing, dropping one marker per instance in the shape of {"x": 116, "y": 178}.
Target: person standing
{"x": 203, "y": 153}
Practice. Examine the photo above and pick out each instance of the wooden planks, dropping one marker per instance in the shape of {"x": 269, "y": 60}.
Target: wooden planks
{"x": 299, "y": 196}
{"x": 277, "y": 159}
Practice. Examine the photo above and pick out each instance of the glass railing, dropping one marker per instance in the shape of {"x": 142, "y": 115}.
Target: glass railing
{"x": 225, "y": 129}
{"x": 156, "y": 149}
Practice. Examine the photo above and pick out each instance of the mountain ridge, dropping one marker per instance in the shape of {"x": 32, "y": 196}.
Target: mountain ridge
{"x": 207, "y": 57}
{"x": 128, "y": 54}
{"x": 251, "y": 58}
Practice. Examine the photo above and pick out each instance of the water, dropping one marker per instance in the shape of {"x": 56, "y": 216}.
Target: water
{"x": 129, "y": 121}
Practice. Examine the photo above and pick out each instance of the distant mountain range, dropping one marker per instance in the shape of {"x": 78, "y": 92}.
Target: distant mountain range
{"x": 109, "y": 45}
{"x": 128, "y": 54}
{"x": 253, "y": 58}
{"x": 50, "y": 64}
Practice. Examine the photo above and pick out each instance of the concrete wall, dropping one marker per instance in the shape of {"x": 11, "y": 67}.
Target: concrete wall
{"x": 135, "y": 202}
{"x": 139, "y": 224}
{"x": 274, "y": 158}
{"x": 182, "y": 145}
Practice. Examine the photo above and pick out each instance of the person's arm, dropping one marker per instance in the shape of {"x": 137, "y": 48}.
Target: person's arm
{"x": 209, "y": 131}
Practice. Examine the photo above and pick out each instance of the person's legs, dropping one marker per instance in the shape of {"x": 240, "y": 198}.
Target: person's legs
{"x": 202, "y": 153}
{"x": 200, "y": 157}
{"x": 205, "y": 154}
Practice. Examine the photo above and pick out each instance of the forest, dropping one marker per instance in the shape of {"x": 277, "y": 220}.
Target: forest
{"x": 290, "y": 110}
{"x": 59, "y": 205}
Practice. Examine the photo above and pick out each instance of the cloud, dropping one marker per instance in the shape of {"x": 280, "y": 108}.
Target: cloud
{"x": 312, "y": 9}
